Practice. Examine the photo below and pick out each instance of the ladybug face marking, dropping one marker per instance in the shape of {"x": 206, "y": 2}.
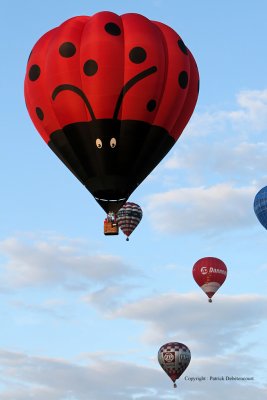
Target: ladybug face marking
{"x": 107, "y": 97}
{"x": 151, "y": 105}
{"x": 99, "y": 143}
{"x": 112, "y": 143}
{"x": 106, "y": 133}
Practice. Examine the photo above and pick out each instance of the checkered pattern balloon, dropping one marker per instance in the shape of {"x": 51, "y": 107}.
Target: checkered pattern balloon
{"x": 174, "y": 358}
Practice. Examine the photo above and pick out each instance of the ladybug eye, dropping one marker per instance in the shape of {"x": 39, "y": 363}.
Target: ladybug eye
{"x": 98, "y": 143}
{"x": 113, "y": 143}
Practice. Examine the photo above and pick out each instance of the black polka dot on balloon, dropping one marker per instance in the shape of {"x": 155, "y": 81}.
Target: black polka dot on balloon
{"x": 151, "y": 105}
{"x": 90, "y": 67}
{"x": 67, "y": 49}
{"x": 137, "y": 55}
{"x": 39, "y": 113}
{"x": 113, "y": 29}
{"x": 182, "y": 46}
{"x": 183, "y": 79}
{"x": 34, "y": 72}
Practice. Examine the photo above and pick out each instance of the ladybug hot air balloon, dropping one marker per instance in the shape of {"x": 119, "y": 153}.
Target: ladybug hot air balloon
{"x": 260, "y": 206}
{"x": 128, "y": 218}
{"x": 209, "y": 273}
{"x": 111, "y": 95}
{"x": 174, "y": 358}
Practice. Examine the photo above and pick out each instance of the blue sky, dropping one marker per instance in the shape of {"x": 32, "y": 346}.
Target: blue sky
{"x": 83, "y": 315}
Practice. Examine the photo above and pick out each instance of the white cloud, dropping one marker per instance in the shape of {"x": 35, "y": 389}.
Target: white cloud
{"x": 24, "y": 376}
{"x": 55, "y": 308}
{"x": 206, "y": 123}
{"x": 59, "y": 379}
{"x": 253, "y": 111}
{"x": 208, "y": 210}
{"x": 249, "y": 117}
{"x": 49, "y": 261}
{"x": 107, "y": 297}
{"x": 221, "y": 163}
{"x": 189, "y": 318}
{"x": 220, "y": 171}
{"x": 226, "y": 158}
{"x": 223, "y": 145}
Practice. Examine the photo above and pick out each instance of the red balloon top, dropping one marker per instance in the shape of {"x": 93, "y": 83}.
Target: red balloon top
{"x": 209, "y": 273}
{"x": 109, "y": 66}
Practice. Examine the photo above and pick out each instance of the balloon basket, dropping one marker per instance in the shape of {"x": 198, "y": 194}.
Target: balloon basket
{"x": 110, "y": 228}
{"x": 174, "y": 385}
{"x": 210, "y": 301}
{"x": 127, "y": 240}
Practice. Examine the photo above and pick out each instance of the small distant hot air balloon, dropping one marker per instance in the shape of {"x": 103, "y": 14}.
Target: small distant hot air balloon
{"x": 209, "y": 273}
{"x": 174, "y": 358}
{"x": 260, "y": 206}
{"x": 128, "y": 218}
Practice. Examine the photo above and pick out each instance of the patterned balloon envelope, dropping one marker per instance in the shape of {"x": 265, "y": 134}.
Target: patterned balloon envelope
{"x": 260, "y": 206}
{"x": 209, "y": 273}
{"x": 174, "y": 358}
{"x": 111, "y": 95}
{"x": 128, "y": 218}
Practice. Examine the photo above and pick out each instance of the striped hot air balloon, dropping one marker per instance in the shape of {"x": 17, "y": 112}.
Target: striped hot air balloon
{"x": 128, "y": 218}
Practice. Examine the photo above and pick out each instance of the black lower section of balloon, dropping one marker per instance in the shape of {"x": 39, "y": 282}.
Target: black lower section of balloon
{"x": 110, "y": 157}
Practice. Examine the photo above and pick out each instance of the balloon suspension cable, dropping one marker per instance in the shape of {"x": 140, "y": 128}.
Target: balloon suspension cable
{"x": 174, "y": 385}
{"x": 210, "y": 301}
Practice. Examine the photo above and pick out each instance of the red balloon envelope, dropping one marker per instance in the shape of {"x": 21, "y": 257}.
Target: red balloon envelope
{"x": 111, "y": 95}
{"x": 209, "y": 273}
